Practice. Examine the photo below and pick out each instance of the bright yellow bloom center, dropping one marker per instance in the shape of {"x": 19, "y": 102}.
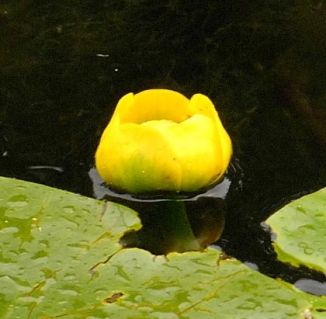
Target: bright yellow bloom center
{"x": 158, "y": 140}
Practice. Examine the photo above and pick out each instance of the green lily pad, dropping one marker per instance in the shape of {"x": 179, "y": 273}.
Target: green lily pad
{"x": 60, "y": 257}
{"x": 300, "y": 229}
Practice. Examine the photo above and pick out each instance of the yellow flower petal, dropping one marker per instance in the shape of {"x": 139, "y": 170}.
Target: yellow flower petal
{"x": 196, "y": 148}
{"x": 204, "y": 105}
{"x": 138, "y": 159}
{"x": 155, "y": 104}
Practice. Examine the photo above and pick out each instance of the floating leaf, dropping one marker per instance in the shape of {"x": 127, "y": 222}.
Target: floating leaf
{"x": 51, "y": 238}
{"x": 300, "y": 229}
{"x": 60, "y": 257}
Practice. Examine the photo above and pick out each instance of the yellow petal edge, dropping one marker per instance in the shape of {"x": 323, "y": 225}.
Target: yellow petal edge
{"x": 158, "y": 140}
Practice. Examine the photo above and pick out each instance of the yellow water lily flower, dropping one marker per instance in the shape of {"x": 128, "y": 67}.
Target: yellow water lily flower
{"x": 158, "y": 140}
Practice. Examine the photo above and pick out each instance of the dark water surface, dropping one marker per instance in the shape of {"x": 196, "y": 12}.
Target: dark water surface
{"x": 64, "y": 65}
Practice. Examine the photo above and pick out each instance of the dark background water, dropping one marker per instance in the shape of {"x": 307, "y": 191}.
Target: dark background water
{"x": 64, "y": 65}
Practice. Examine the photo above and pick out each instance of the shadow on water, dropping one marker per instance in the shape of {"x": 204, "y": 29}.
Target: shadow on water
{"x": 171, "y": 222}
{"x": 65, "y": 64}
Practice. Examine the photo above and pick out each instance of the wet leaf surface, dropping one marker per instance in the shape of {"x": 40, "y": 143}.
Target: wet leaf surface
{"x": 300, "y": 229}
{"x": 61, "y": 258}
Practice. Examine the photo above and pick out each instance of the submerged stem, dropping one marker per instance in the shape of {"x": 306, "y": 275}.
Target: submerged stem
{"x": 178, "y": 229}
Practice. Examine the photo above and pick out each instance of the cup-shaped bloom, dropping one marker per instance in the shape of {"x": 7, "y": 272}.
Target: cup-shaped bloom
{"x": 158, "y": 140}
